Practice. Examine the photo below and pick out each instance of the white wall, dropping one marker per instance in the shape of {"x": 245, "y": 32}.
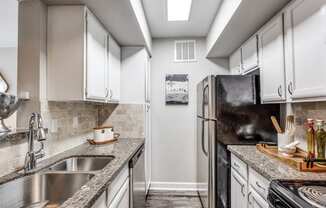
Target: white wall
{"x": 174, "y": 127}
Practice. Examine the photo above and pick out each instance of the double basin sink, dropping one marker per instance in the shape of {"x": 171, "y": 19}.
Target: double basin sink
{"x": 52, "y": 186}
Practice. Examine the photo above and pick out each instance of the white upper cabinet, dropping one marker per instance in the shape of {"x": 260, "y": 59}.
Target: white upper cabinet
{"x": 305, "y": 22}
{"x": 249, "y": 54}
{"x": 96, "y": 56}
{"x": 114, "y": 70}
{"x": 83, "y": 63}
{"x": 235, "y": 62}
{"x": 272, "y": 71}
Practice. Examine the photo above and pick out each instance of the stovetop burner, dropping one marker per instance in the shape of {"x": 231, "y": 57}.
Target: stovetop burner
{"x": 315, "y": 195}
{"x": 298, "y": 194}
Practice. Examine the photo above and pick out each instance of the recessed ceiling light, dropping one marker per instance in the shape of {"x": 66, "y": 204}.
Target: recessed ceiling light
{"x": 179, "y": 10}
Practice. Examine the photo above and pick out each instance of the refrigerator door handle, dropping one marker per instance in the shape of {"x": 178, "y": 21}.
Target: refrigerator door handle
{"x": 203, "y": 138}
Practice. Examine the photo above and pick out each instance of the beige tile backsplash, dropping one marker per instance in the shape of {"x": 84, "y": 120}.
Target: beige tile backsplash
{"x": 302, "y": 111}
{"x": 70, "y": 124}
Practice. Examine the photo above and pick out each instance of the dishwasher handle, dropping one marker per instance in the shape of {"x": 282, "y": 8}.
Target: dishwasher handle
{"x": 136, "y": 157}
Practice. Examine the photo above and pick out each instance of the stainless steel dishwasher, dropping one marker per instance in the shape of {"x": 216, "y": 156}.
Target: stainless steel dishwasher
{"x": 137, "y": 180}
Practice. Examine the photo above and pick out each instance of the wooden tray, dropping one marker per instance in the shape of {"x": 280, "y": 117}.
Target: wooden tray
{"x": 296, "y": 161}
{"x": 92, "y": 142}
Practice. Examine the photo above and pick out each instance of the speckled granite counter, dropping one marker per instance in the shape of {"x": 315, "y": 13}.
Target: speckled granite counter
{"x": 123, "y": 150}
{"x": 270, "y": 167}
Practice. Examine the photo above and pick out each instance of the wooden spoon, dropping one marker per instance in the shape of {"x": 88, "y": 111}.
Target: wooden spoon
{"x": 276, "y": 125}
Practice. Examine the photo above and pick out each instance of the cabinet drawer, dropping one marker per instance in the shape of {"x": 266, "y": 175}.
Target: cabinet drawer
{"x": 239, "y": 166}
{"x": 255, "y": 200}
{"x": 258, "y": 183}
{"x": 116, "y": 185}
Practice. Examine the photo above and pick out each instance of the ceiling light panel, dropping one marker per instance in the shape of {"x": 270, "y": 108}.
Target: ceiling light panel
{"x": 179, "y": 10}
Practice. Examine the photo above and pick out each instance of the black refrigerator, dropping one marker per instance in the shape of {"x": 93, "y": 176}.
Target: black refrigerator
{"x": 228, "y": 113}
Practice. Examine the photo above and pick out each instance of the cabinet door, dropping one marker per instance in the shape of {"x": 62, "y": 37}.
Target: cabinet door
{"x": 101, "y": 202}
{"x": 148, "y": 147}
{"x": 249, "y": 54}
{"x": 96, "y": 59}
{"x": 121, "y": 200}
{"x": 256, "y": 201}
{"x": 306, "y": 33}
{"x": 235, "y": 62}
{"x": 238, "y": 190}
{"x": 114, "y": 70}
{"x": 272, "y": 72}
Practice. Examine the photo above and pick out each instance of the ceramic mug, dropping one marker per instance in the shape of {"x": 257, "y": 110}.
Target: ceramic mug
{"x": 105, "y": 133}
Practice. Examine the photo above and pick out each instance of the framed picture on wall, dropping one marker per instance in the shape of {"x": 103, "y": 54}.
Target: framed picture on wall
{"x": 176, "y": 89}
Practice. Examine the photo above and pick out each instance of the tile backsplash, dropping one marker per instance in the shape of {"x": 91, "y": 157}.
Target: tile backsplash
{"x": 70, "y": 124}
{"x": 127, "y": 119}
{"x": 302, "y": 111}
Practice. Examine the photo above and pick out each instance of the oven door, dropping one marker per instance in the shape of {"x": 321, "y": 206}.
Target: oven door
{"x": 275, "y": 201}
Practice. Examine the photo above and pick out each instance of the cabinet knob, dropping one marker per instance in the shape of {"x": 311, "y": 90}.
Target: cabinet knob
{"x": 290, "y": 88}
{"x": 279, "y": 90}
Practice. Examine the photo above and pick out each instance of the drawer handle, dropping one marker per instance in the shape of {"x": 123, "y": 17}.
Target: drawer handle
{"x": 259, "y": 186}
{"x": 249, "y": 198}
{"x": 241, "y": 184}
{"x": 236, "y": 165}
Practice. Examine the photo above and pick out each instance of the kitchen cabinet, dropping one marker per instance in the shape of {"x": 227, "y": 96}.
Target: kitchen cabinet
{"x": 256, "y": 201}
{"x": 96, "y": 59}
{"x": 83, "y": 61}
{"x": 114, "y": 69}
{"x": 248, "y": 188}
{"x": 305, "y": 45}
{"x": 117, "y": 194}
{"x": 133, "y": 75}
{"x": 235, "y": 62}
{"x": 249, "y": 55}
{"x": 272, "y": 68}
{"x": 239, "y": 189}
{"x": 148, "y": 126}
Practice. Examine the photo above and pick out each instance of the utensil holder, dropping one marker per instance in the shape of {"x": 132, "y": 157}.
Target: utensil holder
{"x": 283, "y": 140}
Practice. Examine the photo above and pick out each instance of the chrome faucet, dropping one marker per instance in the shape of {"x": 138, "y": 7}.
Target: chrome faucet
{"x": 36, "y": 131}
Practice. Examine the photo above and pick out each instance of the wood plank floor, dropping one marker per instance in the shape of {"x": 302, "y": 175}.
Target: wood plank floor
{"x": 159, "y": 199}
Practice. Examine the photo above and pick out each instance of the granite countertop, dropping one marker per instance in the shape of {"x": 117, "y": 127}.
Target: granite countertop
{"x": 269, "y": 167}
{"x": 123, "y": 150}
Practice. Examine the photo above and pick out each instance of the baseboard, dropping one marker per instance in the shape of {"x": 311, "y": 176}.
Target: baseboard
{"x": 173, "y": 186}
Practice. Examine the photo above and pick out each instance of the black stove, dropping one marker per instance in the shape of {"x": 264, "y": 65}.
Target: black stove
{"x": 297, "y": 194}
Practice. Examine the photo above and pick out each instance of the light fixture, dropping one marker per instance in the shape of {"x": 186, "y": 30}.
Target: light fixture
{"x": 179, "y": 10}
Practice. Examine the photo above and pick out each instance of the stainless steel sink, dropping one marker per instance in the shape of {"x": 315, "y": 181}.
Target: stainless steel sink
{"x": 41, "y": 190}
{"x": 85, "y": 164}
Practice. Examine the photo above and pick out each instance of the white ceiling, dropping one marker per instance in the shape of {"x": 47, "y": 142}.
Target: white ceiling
{"x": 202, "y": 14}
{"x": 8, "y": 23}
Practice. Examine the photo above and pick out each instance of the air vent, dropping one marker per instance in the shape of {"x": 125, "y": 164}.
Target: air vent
{"x": 185, "y": 51}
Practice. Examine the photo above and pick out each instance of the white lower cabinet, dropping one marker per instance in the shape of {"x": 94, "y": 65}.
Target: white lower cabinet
{"x": 117, "y": 195}
{"x": 239, "y": 190}
{"x": 121, "y": 200}
{"x": 249, "y": 189}
{"x": 255, "y": 200}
